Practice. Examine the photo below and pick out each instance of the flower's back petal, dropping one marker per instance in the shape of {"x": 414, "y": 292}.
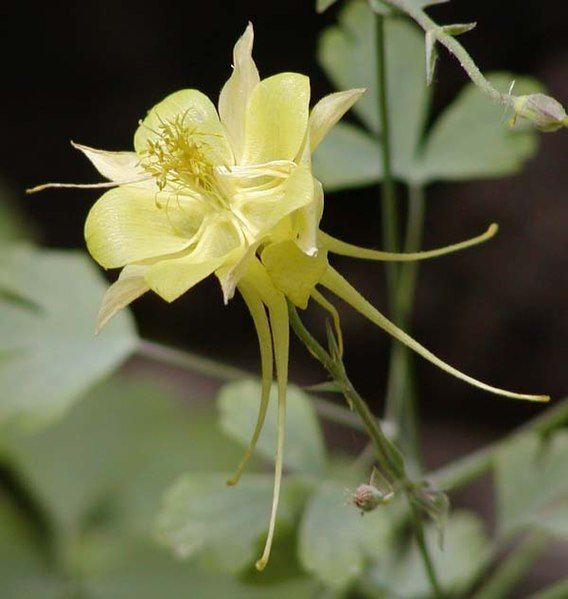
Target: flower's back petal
{"x": 120, "y": 167}
{"x": 277, "y": 118}
{"x": 327, "y": 112}
{"x": 128, "y": 224}
{"x": 196, "y": 113}
{"x": 236, "y": 92}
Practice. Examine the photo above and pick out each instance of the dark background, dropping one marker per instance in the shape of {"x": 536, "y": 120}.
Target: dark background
{"x": 89, "y": 70}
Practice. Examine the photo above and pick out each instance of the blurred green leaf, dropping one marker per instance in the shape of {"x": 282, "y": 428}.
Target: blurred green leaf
{"x": 304, "y": 452}
{"x": 347, "y": 53}
{"x": 383, "y": 9}
{"x": 532, "y": 484}
{"x": 348, "y": 157}
{"x": 118, "y": 449}
{"x": 471, "y": 139}
{"x": 335, "y": 540}
{"x": 323, "y": 5}
{"x": 49, "y": 355}
{"x": 466, "y": 551}
{"x": 13, "y": 225}
{"x": 144, "y": 571}
{"x": 24, "y": 570}
{"x": 556, "y": 591}
{"x": 202, "y": 515}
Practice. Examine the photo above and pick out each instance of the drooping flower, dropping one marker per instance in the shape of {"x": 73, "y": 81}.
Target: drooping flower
{"x": 230, "y": 192}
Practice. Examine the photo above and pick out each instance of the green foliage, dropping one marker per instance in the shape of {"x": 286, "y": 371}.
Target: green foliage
{"x": 13, "y": 226}
{"x": 238, "y": 405}
{"x": 531, "y": 477}
{"x": 49, "y": 355}
{"x": 469, "y": 140}
{"x": 465, "y": 553}
{"x": 336, "y": 540}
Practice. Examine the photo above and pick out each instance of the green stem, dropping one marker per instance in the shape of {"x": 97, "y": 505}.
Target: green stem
{"x": 386, "y": 453}
{"x": 454, "y": 47}
{"x": 472, "y": 466}
{"x": 401, "y": 394}
{"x": 558, "y": 590}
{"x": 512, "y": 570}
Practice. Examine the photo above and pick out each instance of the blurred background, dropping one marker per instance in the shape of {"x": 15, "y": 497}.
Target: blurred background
{"x": 88, "y": 71}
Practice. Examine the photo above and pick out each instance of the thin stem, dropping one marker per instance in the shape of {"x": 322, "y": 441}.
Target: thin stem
{"x": 423, "y": 548}
{"x": 472, "y": 466}
{"x": 512, "y": 570}
{"x": 401, "y": 392}
{"x": 454, "y": 47}
{"x": 388, "y": 456}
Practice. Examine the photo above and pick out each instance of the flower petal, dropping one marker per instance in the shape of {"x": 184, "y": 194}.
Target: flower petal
{"x": 198, "y": 116}
{"x": 277, "y": 118}
{"x": 120, "y": 167}
{"x": 219, "y": 242}
{"x": 129, "y": 224}
{"x": 263, "y": 211}
{"x": 328, "y": 111}
{"x": 237, "y": 90}
{"x": 129, "y": 286}
{"x": 307, "y": 220}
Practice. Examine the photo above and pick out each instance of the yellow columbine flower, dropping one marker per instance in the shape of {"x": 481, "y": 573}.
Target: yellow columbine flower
{"x": 231, "y": 193}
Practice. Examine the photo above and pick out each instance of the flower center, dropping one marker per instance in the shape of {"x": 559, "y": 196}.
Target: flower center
{"x": 178, "y": 157}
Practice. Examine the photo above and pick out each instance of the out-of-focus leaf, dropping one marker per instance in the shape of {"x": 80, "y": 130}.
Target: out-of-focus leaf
{"x": 13, "y": 225}
{"x": 471, "y": 139}
{"x": 347, "y": 52}
{"x": 145, "y": 571}
{"x": 348, "y": 157}
{"x": 335, "y": 540}
{"x": 532, "y": 484}
{"x": 119, "y": 448}
{"x": 49, "y": 355}
{"x": 465, "y": 553}
{"x": 323, "y": 5}
{"x": 304, "y": 452}
{"x": 24, "y": 571}
{"x": 556, "y": 591}
{"x": 202, "y": 516}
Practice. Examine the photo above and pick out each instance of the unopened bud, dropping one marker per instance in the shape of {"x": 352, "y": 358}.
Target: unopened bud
{"x": 546, "y": 113}
{"x": 367, "y": 498}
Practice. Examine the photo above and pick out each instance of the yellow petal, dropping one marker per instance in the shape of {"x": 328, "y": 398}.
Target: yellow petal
{"x": 230, "y": 274}
{"x": 197, "y": 114}
{"x": 258, "y": 313}
{"x": 292, "y": 271}
{"x": 338, "y": 285}
{"x": 277, "y": 118}
{"x": 129, "y": 286}
{"x": 219, "y": 243}
{"x": 328, "y": 111}
{"x": 129, "y": 224}
{"x": 120, "y": 167}
{"x": 263, "y": 211}
{"x": 236, "y": 92}
{"x": 336, "y": 246}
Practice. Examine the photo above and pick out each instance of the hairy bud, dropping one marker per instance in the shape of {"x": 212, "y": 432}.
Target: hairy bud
{"x": 546, "y": 113}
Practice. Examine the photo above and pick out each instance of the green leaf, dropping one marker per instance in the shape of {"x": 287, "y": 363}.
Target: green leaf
{"x": 323, "y": 5}
{"x": 335, "y": 540}
{"x": 144, "y": 571}
{"x": 347, "y": 53}
{"x": 532, "y": 484}
{"x": 117, "y": 450}
{"x": 383, "y": 8}
{"x": 13, "y": 225}
{"x": 556, "y": 591}
{"x": 305, "y": 452}
{"x": 24, "y": 570}
{"x": 471, "y": 139}
{"x": 49, "y": 355}
{"x": 466, "y": 551}
{"x": 348, "y": 157}
{"x": 202, "y": 515}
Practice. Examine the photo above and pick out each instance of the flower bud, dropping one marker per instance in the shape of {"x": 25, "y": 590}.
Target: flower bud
{"x": 367, "y": 498}
{"x": 546, "y": 113}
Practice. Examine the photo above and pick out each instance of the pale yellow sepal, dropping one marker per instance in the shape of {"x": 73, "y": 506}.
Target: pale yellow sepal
{"x": 328, "y": 111}
{"x": 277, "y": 118}
{"x": 236, "y": 92}
{"x": 119, "y": 167}
{"x": 129, "y": 287}
{"x": 129, "y": 224}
